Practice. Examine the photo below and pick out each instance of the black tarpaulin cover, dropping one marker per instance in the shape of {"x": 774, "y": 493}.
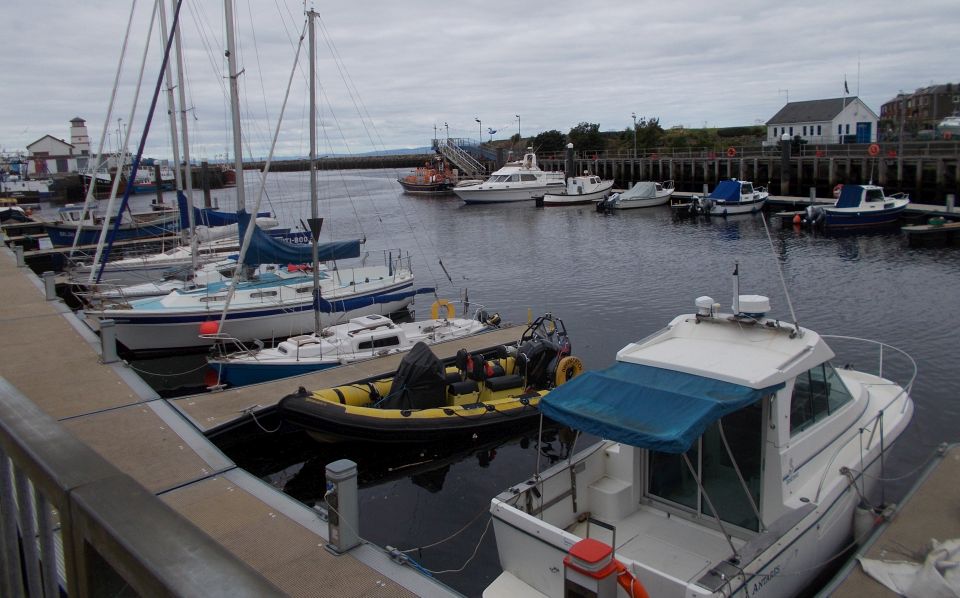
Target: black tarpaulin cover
{"x": 419, "y": 382}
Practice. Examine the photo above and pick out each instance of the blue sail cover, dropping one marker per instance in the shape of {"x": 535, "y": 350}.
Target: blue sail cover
{"x": 727, "y": 191}
{"x": 849, "y": 196}
{"x": 343, "y": 305}
{"x": 647, "y": 407}
{"x": 207, "y": 216}
{"x": 265, "y": 249}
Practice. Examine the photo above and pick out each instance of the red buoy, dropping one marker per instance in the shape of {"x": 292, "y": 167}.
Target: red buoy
{"x": 209, "y": 327}
{"x": 797, "y": 219}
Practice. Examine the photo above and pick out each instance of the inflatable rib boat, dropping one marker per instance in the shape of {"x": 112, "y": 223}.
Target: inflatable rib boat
{"x": 428, "y": 400}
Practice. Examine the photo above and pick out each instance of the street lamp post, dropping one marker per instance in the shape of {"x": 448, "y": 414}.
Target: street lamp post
{"x": 518, "y": 127}
{"x": 447, "y": 127}
{"x": 481, "y": 131}
{"x": 634, "y": 116}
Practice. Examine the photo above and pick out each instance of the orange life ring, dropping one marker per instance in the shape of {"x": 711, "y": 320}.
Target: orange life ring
{"x": 731, "y": 152}
{"x": 948, "y": 135}
{"x": 837, "y": 190}
{"x": 450, "y": 311}
{"x": 874, "y": 149}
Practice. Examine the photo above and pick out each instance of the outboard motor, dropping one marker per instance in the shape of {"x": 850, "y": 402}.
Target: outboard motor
{"x": 814, "y": 216}
{"x": 605, "y": 204}
{"x": 705, "y": 205}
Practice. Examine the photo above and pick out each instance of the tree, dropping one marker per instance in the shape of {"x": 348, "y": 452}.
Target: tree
{"x": 549, "y": 141}
{"x": 586, "y": 137}
{"x": 515, "y": 139}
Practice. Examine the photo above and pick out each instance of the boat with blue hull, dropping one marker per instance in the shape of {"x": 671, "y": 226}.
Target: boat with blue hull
{"x": 859, "y": 207}
{"x": 361, "y": 338}
{"x": 71, "y": 223}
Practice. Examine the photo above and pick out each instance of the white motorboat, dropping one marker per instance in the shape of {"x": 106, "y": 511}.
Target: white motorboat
{"x": 734, "y": 458}
{"x": 730, "y": 197}
{"x": 364, "y": 337}
{"x": 579, "y": 190}
{"x": 643, "y": 194}
{"x": 516, "y": 181}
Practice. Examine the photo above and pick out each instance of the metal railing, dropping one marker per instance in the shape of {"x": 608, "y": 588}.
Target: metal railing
{"x": 73, "y": 523}
{"x": 464, "y": 161}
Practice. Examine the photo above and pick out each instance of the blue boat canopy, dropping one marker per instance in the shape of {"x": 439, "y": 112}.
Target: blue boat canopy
{"x": 727, "y": 191}
{"x": 648, "y": 407}
{"x": 207, "y": 216}
{"x": 849, "y": 196}
{"x": 265, "y": 249}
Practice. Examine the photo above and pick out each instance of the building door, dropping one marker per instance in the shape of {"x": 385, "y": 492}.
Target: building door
{"x": 863, "y": 132}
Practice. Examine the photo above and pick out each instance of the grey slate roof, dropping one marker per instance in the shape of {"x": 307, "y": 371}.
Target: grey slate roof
{"x": 810, "y": 111}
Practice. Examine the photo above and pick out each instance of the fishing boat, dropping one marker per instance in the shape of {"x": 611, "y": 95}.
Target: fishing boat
{"x": 730, "y": 197}
{"x": 734, "y": 458}
{"x": 429, "y": 179}
{"x": 73, "y": 222}
{"x": 643, "y": 194}
{"x": 145, "y": 181}
{"x": 579, "y": 190}
{"x": 858, "y": 206}
{"x": 427, "y": 400}
{"x": 363, "y": 337}
{"x": 15, "y": 186}
{"x": 516, "y": 181}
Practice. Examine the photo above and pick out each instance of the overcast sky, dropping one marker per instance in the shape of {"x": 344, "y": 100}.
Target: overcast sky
{"x": 415, "y": 65}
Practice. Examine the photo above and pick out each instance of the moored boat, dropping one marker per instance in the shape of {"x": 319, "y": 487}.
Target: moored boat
{"x": 859, "y": 206}
{"x": 429, "y": 179}
{"x": 728, "y": 198}
{"x": 363, "y": 337}
{"x": 733, "y": 459}
{"x": 428, "y": 400}
{"x": 579, "y": 190}
{"x": 516, "y": 181}
{"x": 72, "y": 223}
{"x": 643, "y": 194}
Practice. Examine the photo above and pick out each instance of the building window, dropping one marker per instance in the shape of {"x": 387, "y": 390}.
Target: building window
{"x": 804, "y": 130}
{"x": 848, "y": 129}
{"x": 774, "y": 132}
{"x": 839, "y": 129}
{"x": 818, "y": 130}
{"x": 791, "y": 131}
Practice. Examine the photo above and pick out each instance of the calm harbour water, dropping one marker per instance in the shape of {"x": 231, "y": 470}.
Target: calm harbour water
{"x": 613, "y": 279}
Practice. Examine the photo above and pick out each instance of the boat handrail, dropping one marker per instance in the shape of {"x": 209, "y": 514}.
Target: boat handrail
{"x": 881, "y": 345}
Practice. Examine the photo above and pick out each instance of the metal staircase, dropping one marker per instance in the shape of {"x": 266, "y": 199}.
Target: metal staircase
{"x": 467, "y": 164}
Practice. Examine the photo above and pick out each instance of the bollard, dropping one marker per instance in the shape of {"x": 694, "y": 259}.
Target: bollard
{"x": 813, "y": 195}
{"x": 705, "y": 192}
{"x": 951, "y": 199}
{"x": 343, "y": 504}
{"x": 108, "y": 341}
{"x": 18, "y": 252}
{"x": 50, "y": 285}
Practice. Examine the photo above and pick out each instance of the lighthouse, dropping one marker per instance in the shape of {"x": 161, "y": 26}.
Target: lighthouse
{"x": 78, "y": 136}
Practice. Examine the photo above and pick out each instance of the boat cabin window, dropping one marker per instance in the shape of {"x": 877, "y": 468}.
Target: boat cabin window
{"x": 817, "y": 393}
{"x": 669, "y": 479}
{"x": 746, "y": 188}
{"x": 874, "y": 195}
{"x": 514, "y": 178}
{"x": 528, "y": 177}
{"x": 387, "y": 341}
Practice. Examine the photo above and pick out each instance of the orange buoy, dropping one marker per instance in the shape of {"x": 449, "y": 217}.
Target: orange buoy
{"x": 874, "y": 149}
{"x": 797, "y": 219}
{"x": 209, "y": 327}
{"x": 731, "y": 152}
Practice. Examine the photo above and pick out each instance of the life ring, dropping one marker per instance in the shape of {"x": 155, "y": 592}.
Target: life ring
{"x": 948, "y": 135}
{"x": 568, "y": 369}
{"x": 837, "y": 190}
{"x": 731, "y": 152}
{"x": 874, "y": 149}
{"x": 435, "y": 309}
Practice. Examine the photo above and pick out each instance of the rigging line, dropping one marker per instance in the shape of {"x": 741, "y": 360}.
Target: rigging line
{"x": 263, "y": 177}
{"x": 256, "y": 54}
{"x": 88, "y": 201}
{"x": 783, "y": 281}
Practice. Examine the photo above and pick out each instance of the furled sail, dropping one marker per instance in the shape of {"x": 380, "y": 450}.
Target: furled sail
{"x": 265, "y": 249}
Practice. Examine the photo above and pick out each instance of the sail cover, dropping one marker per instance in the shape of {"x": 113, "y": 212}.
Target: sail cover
{"x": 642, "y": 190}
{"x": 207, "y": 216}
{"x": 344, "y": 305}
{"x": 265, "y": 249}
{"x": 727, "y": 191}
{"x": 849, "y": 196}
{"x": 648, "y": 407}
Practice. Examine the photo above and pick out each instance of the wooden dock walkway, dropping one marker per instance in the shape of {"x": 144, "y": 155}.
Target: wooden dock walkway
{"x": 53, "y": 359}
{"x": 930, "y": 511}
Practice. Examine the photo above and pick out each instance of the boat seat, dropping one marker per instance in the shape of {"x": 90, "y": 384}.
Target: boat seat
{"x": 504, "y": 382}
{"x": 452, "y": 377}
{"x": 462, "y": 388}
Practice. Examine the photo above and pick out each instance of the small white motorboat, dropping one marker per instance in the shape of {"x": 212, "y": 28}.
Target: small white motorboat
{"x": 363, "y": 337}
{"x": 730, "y": 197}
{"x": 644, "y": 194}
{"x": 734, "y": 458}
{"x": 579, "y": 190}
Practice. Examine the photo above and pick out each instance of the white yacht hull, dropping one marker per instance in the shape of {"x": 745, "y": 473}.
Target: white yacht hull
{"x": 642, "y": 203}
{"x": 480, "y": 194}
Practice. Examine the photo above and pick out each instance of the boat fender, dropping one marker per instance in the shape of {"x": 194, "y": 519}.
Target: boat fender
{"x": 837, "y": 190}
{"x": 435, "y": 309}
{"x": 567, "y": 369}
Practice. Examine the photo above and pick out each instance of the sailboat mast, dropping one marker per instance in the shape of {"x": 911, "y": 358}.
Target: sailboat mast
{"x": 187, "y": 174}
{"x": 171, "y": 114}
{"x": 234, "y": 102}
{"x": 314, "y": 208}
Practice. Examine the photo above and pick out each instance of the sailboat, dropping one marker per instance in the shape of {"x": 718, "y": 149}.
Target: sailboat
{"x": 264, "y": 304}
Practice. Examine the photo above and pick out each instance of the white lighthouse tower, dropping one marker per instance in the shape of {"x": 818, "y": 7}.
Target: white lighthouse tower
{"x": 79, "y": 137}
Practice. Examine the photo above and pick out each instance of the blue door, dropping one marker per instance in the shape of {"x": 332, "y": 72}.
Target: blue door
{"x": 863, "y": 132}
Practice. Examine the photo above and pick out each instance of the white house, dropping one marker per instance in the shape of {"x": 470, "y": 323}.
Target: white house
{"x": 837, "y": 120}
